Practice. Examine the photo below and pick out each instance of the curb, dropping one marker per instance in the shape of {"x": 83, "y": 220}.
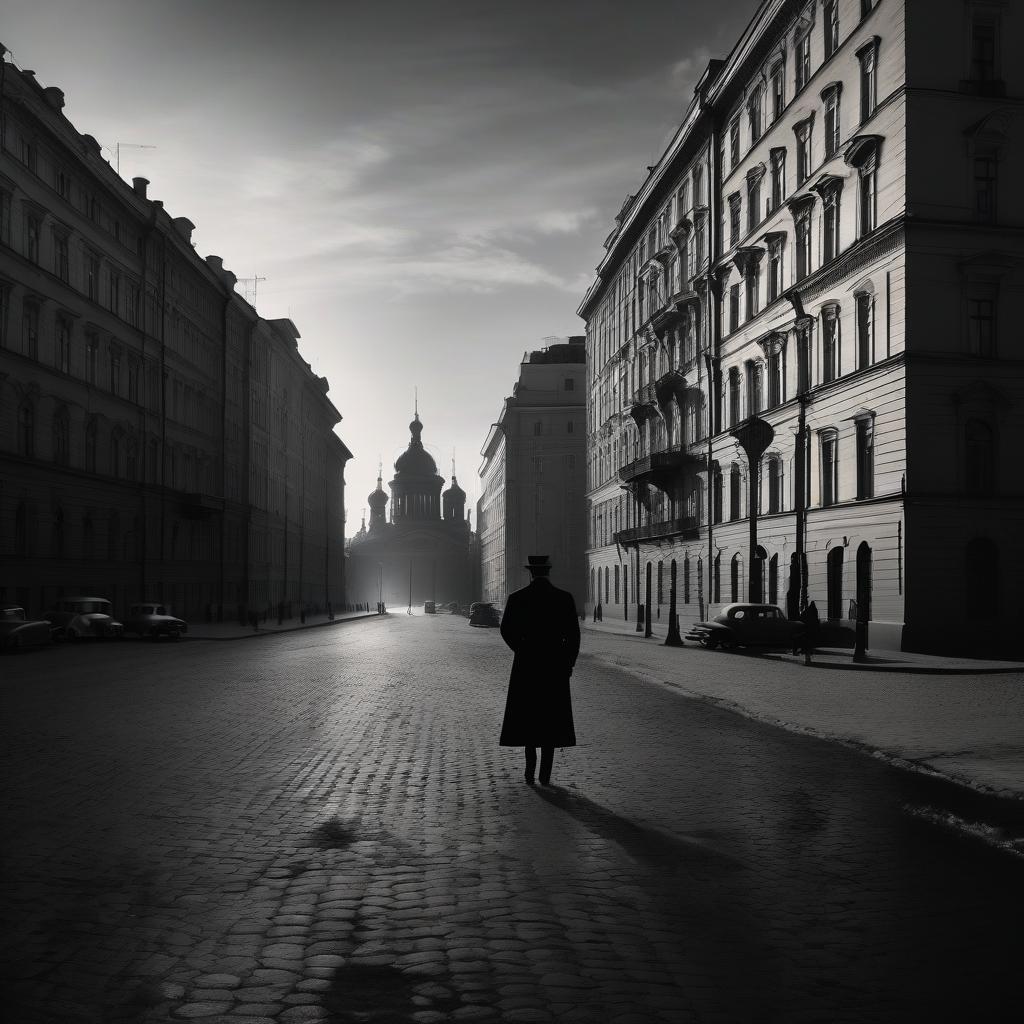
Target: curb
{"x": 287, "y": 629}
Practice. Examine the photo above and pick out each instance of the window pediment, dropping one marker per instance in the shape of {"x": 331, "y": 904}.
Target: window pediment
{"x": 861, "y": 149}
{"x": 828, "y": 185}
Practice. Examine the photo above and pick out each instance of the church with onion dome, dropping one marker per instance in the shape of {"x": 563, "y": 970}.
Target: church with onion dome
{"x": 418, "y": 545}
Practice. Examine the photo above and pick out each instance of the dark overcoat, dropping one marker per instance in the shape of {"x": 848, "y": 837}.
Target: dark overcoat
{"x": 541, "y": 627}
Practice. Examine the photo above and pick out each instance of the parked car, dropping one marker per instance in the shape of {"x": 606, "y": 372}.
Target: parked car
{"x": 17, "y": 630}
{"x": 483, "y": 613}
{"x": 74, "y": 618}
{"x": 429, "y": 608}
{"x": 154, "y": 620}
{"x": 747, "y": 625}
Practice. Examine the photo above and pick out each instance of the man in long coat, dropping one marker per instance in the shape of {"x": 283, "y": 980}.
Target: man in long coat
{"x": 541, "y": 627}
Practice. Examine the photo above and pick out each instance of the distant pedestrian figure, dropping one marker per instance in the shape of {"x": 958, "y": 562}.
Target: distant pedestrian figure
{"x": 540, "y": 625}
{"x": 809, "y": 617}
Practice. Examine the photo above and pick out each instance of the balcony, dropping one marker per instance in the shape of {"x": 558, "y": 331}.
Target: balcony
{"x": 644, "y": 404}
{"x": 661, "y": 469}
{"x": 686, "y": 528}
{"x": 672, "y": 385}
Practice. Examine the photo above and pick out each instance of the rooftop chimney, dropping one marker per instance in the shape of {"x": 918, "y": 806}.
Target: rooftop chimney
{"x": 140, "y": 185}
{"x": 185, "y": 226}
{"x": 54, "y": 96}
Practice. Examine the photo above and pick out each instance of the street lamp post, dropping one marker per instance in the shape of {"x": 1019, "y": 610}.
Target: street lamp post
{"x": 673, "y": 639}
{"x": 754, "y": 435}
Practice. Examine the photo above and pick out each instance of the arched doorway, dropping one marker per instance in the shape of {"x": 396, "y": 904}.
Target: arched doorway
{"x": 864, "y": 582}
{"x": 834, "y": 580}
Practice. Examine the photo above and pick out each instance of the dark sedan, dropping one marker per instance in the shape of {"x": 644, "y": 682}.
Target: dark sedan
{"x": 747, "y": 625}
{"x": 483, "y": 613}
{"x": 154, "y": 620}
{"x": 16, "y": 630}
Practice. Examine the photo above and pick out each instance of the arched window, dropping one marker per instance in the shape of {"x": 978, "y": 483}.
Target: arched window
{"x": 773, "y": 579}
{"x": 606, "y": 584}
{"x": 26, "y": 430}
{"x": 113, "y": 537}
{"x": 661, "y": 583}
{"x": 90, "y": 445}
{"x": 735, "y": 488}
{"x": 615, "y": 576}
{"x": 775, "y": 482}
{"x": 591, "y": 584}
{"x": 57, "y": 535}
{"x": 979, "y": 452}
{"x": 735, "y": 572}
{"x": 834, "y": 579}
{"x": 61, "y": 436}
{"x": 21, "y": 543}
{"x": 686, "y": 580}
{"x": 115, "y": 452}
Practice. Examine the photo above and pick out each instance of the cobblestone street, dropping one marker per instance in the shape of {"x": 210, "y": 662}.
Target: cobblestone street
{"x": 320, "y": 826}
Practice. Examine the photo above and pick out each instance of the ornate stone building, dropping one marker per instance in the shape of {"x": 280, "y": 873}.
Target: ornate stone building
{"x": 533, "y": 476}
{"x": 158, "y": 438}
{"x": 825, "y": 256}
{"x": 425, "y": 551}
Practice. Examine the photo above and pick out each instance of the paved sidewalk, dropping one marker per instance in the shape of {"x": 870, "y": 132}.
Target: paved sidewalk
{"x": 955, "y": 718}
{"x": 842, "y": 657}
{"x": 233, "y": 631}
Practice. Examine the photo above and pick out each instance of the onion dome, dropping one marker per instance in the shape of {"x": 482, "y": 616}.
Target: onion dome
{"x": 416, "y": 461}
{"x": 454, "y": 501}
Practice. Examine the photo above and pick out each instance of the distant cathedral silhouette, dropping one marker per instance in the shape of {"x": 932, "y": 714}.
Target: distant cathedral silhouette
{"x": 425, "y": 551}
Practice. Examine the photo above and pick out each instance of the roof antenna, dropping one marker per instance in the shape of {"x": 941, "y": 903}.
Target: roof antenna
{"x": 416, "y": 401}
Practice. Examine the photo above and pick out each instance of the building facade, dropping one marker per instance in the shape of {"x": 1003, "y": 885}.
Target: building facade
{"x": 533, "y": 476}
{"x": 158, "y": 439}
{"x": 425, "y": 550}
{"x": 803, "y": 383}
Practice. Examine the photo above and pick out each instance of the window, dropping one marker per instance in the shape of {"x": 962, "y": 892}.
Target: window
{"x": 831, "y": 27}
{"x": 661, "y": 583}
{"x": 686, "y": 580}
{"x": 803, "y": 151}
{"x": 983, "y": 49}
{"x": 755, "y": 395}
{"x": 698, "y": 185}
{"x": 92, "y": 276}
{"x": 735, "y": 570}
{"x": 91, "y": 348}
{"x": 803, "y": 245}
{"x": 774, "y": 484}
{"x": 868, "y": 57}
{"x": 135, "y": 305}
{"x": 33, "y": 229}
{"x": 734, "y": 396}
{"x": 830, "y": 225}
{"x": 734, "y": 218}
{"x": 734, "y": 307}
{"x": 734, "y": 143}
{"x": 776, "y": 389}
{"x": 774, "y": 268}
{"x": 866, "y": 7}
{"x": 981, "y": 570}
{"x": 5, "y": 305}
{"x": 115, "y": 370}
{"x": 985, "y": 188}
{"x": 981, "y": 324}
{"x": 834, "y": 582}
{"x": 755, "y": 115}
{"x": 778, "y": 162}
{"x": 832, "y": 126}
{"x": 60, "y": 255}
{"x": 865, "y": 330}
{"x": 90, "y": 446}
{"x": 866, "y": 457}
{"x": 869, "y": 195}
{"x": 569, "y": 384}
{"x": 979, "y": 452}
{"x": 133, "y": 381}
{"x": 829, "y": 344}
{"x": 717, "y": 486}
{"x": 753, "y": 201}
{"x": 778, "y": 91}
{"x": 62, "y": 183}
{"x": 803, "y": 356}
{"x": 829, "y": 469}
{"x": 26, "y": 430}
{"x": 63, "y": 345}
{"x": 30, "y": 330}
{"x": 61, "y": 437}
{"x": 753, "y": 282}
{"x": 803, "y": 61}
{"x": 538, "y": 428}
{"x": 115, "y": 293}
{"x": 735, "y": 486}
{"x": 568, "y": 426}
{"x": 5, "y": 217}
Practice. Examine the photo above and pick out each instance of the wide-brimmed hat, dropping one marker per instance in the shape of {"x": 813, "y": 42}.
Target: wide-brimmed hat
{"x": 538, "y": 562}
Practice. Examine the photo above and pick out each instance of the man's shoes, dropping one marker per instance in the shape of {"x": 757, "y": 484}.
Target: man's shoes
{"x": 529, "y": 778}
{"x": 545, "y": 780}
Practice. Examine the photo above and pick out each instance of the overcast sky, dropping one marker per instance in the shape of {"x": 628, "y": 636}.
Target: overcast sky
{"x": 424, "y": 184}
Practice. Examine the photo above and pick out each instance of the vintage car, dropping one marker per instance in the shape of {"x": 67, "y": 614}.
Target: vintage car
{"x": 429, "y": 607}
{"x": 18, "y": 631}
{"x": 747, "y": 625}
{"x": 74, "y": 618}
{"x": 151, "y": 619}
{"x": 483, "y": 613}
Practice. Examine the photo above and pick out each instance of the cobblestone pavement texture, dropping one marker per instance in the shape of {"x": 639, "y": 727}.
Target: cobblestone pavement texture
{"x": 321, "y": 827}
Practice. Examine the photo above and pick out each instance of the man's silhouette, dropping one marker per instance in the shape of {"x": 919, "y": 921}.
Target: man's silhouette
{"x": 541, "y": 627}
